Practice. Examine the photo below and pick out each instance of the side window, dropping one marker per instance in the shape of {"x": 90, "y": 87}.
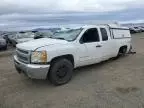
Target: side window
{"x": 91, "y": 35}
{"x": 104, "y": 34}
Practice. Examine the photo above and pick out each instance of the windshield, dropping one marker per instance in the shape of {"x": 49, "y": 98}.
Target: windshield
{"x": 69, "y": 35}
{"x": 25, "y": 35}
{"x": 43, "y": 34}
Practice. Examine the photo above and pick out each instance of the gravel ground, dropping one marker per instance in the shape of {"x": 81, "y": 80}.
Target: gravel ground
{"x": 111, "y": 84}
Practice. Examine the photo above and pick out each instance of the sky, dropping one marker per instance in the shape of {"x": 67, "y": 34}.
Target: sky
{"x": 27, "y": 14}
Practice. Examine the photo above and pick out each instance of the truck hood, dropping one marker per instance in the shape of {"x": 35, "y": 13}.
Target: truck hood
{"x": 23, "y": 40}
{"x": 34, "y": 44}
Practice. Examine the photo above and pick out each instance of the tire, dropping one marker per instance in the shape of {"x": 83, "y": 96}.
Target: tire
{"x": 122, "y": 52}
{"x": 61, "y": 71}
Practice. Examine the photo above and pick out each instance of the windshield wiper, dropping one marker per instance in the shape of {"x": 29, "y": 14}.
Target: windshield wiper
{"x": 57, "y": 38}
{"x": 60, "y": 38}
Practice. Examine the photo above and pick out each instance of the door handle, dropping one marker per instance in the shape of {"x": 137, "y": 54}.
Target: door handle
{"x": 98, "y": 46}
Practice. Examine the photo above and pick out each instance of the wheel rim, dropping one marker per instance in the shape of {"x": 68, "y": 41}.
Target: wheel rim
{"x": 62, "y": 71}
{"x": 124, "y": 50}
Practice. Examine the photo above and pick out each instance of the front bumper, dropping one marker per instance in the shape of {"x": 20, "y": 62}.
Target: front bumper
{"x": 33, "y": 71}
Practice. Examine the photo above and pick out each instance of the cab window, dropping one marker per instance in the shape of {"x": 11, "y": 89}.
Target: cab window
{"x": 104, "y": 34}
{"x": 91, "y": 35}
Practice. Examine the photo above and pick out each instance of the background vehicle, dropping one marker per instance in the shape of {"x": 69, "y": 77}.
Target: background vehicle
{"x": 22, "y": 37}
{"x": 3, "y": 44}
{"x": 132, "y": 30}
{"x": 142, "y": 29}
{"x": 9, "y": 36}
{"x": 135, "y": 30}
{"x": 56, "y": 57}
{"x": 44, "y": 34}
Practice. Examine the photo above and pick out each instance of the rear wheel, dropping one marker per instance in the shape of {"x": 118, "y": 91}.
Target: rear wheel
{"x": 122, "y": 52}
{"x": 61, "y": 71}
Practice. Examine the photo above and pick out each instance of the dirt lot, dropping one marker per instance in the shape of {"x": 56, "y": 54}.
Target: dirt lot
{"x": 111, "y": 84}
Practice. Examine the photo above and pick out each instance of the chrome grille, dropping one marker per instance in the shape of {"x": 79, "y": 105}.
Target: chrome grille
{"x": 23, "y": 55}
{"x": 23, "y": 51}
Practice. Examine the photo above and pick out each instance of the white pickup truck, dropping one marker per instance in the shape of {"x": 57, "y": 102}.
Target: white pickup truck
{"x": 56, "y": 57}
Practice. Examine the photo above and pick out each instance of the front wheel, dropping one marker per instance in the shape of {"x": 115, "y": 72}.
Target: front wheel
{"x": 61, "y": 71}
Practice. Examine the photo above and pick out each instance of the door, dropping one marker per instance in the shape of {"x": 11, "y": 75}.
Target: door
{"x": 90, "y": 43}
{"x": 107, "y": 43}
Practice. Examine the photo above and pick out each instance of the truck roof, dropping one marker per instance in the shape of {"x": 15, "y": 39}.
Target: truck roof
{"x": 111, "y": 26}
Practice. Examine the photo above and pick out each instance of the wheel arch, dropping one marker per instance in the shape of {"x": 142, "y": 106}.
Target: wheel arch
{"x": 124, "y": 46}
{"x": 69, "y": 57}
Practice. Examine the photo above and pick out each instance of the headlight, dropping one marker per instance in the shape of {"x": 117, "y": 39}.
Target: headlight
{"x": 39, "y": 57}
